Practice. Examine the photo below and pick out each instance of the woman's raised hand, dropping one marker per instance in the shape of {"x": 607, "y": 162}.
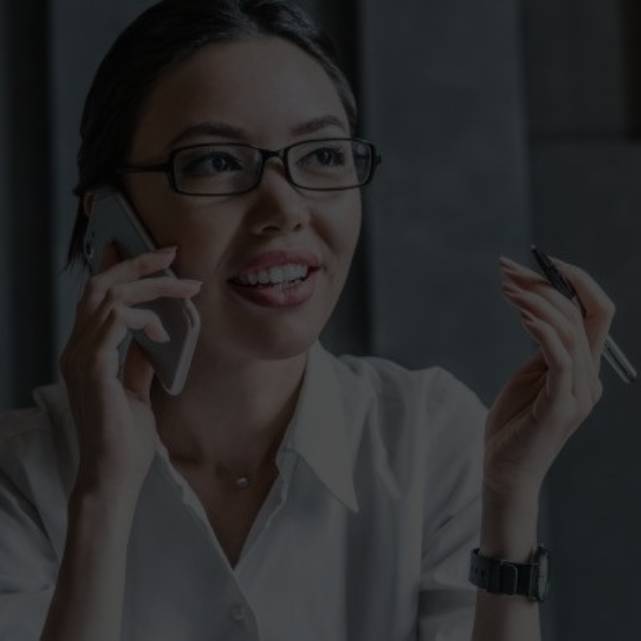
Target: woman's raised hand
{"x": 546, "y": 400}
{"x": 115, "y": 422}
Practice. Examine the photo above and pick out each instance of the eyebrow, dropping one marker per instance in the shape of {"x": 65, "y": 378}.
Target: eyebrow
{"x": 222, "y": 129}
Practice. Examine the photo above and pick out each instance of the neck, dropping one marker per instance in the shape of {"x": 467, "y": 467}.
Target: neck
{"x": 234, "y": 414}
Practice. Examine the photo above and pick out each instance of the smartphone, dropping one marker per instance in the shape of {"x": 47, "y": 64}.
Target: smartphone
{"x": 114, "y": 220}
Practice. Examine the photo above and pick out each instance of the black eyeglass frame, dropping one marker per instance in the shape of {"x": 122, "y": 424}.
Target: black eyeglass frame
{"x": 283, "y": 153}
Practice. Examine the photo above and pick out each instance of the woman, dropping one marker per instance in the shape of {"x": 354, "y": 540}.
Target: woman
{"x": 286, "y": 493}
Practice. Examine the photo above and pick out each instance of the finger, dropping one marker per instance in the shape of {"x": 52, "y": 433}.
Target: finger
{"x": 137, "y": 372}
{"x": 510, "y": 265}
{"x": 571, "y": 333}
{"x": 148, "y": 289}
{"x": 599, "y": 307}
{"x": 120, "y": 320}
{"x": 569, "y": 308}
{"x": 129, "y": 270}
{"x": 569, "y": 410}
{"x": 101, "y": 344}
{"x": 560, "y": 378}
{"x": 110, "y": 256}
{"x": 554, "y": 309}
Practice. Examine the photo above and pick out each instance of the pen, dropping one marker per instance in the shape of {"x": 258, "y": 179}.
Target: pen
{"x": 611, "y": 351}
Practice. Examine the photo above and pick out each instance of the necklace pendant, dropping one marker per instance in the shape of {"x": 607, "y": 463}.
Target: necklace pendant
{"x": 242, "y": 482}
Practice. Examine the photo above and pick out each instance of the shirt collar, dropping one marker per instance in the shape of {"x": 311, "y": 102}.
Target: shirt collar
{"x": 318, "y": 430}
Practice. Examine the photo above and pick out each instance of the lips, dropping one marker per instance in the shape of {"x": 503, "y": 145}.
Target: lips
{"x": 281, "y": 296}
{"x": 278, "y": 258}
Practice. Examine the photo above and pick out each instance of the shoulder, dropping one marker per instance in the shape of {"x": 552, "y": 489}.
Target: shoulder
{"x": 427, "y": 408}
{"x": 429, "y": 401}
{"x": 421, "y": 434}
{"x": 20, "y": 423}
{"x": 38, "y": 459}
{"x": 25, "y": 434}
{"x": 36, "y": 443}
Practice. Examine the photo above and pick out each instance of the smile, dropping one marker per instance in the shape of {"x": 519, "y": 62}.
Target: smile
{"x": 273, "y": 276}
{"x": 277, "y": 294}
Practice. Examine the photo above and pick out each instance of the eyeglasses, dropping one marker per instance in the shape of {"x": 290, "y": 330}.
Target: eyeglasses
{"x": 223, "y": 169}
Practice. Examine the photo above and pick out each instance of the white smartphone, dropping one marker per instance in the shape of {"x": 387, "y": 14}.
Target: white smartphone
{"x": 113, "y": 220}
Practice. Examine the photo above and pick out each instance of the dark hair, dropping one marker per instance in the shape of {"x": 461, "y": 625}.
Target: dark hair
{"x": 164, "y": 35}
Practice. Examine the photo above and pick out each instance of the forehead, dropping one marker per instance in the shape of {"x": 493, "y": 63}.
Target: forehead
{"x": 266, "y": 86}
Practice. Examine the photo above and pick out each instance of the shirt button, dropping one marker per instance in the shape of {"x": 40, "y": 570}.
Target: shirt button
{"x": 238, "y": 613}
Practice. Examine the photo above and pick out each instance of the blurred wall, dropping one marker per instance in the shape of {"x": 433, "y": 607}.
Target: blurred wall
{"x": 442, "y": 95}
{"x": 583, "y": 64}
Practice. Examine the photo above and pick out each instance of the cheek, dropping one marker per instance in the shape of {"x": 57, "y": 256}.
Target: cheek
{"x": 340, "y": 232}
{"x": 200, "y": 234}
{"x": 208, "y": 240}
{"x": 346, "y": 226}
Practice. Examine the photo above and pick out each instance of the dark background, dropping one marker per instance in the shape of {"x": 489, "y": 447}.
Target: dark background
{"x": 501, "y": 124}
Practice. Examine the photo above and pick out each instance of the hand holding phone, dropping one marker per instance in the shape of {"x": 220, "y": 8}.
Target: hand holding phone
{"x": 112, "y": 411}
{"x": 112, "y": 220}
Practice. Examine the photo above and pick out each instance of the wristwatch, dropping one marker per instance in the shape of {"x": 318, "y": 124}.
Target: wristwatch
{"x": 504, "y": 577}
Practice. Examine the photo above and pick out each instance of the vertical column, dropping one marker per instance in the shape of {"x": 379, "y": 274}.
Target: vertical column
{"x": 26, "y": 295}
{"x": 583, "y": 65}
{"x": 442, "y": 96}
{"x": 6, "y": 360}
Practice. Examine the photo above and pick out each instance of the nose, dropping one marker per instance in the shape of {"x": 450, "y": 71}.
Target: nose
{"x": 279, "y": 205}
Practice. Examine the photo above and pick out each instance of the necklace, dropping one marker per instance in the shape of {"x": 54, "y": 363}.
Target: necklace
{"x": 242, "y": 481}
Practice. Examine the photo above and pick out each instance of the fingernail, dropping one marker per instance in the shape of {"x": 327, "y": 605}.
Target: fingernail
{"x": 507, "y": 262}
{"x": 193, "y": 283}
{"x": 167, "y": 250}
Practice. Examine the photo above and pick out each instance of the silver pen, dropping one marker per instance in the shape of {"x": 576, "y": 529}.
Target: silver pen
{"x": 611, "y": 351}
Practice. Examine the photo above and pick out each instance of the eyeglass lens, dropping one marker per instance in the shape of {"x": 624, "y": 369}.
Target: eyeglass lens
{"x": 225, "y": 169}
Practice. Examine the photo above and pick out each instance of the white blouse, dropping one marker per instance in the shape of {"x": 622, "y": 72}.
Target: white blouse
{"x": 364, "y": 536}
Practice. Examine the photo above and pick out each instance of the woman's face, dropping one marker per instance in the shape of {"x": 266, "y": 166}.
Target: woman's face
{"x": 268, "y": 88}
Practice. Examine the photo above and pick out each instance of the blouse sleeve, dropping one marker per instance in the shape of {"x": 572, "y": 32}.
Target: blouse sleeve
{"x": 28, "y": 563}
{"x": 452, "y": 510}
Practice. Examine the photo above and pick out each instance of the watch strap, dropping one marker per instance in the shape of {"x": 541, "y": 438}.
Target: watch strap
{"x": 504, "y": 577}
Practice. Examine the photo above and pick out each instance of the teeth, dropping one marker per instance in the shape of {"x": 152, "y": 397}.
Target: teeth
{"x": 274, "y": 275}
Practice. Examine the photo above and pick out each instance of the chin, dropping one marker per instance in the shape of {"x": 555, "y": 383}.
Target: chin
{"x": 266, "y": 334}
{"x": 280, "y": 345}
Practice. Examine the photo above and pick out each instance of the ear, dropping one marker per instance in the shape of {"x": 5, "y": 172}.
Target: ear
{"x": 88, "y": 201}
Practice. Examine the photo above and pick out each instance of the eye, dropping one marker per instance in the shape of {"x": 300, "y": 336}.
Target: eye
{"x": 325, "y": 157}
{"x": 211, "y": 163}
